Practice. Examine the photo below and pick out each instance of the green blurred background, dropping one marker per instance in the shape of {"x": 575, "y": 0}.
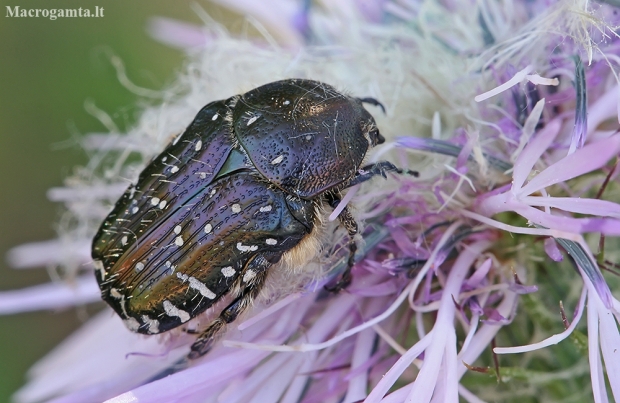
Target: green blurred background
{"x": 48, "y": 69}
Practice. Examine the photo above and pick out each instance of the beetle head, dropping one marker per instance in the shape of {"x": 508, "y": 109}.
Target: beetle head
{"x": 370, "y": 129}
{"x": 376, "y": 137}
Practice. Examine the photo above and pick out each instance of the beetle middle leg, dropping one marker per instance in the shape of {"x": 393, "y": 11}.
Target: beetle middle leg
{"x": 348, "y": 222}
{"x": 254, "y": 283}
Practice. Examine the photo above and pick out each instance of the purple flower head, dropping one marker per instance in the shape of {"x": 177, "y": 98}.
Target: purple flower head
{"x": 514, "y": 139}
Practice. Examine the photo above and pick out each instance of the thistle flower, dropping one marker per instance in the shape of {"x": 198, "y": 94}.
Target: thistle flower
{"x": 509, "y": 111}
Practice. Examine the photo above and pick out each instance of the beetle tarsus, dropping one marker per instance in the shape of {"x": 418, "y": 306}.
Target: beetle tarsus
{"x": 380, "y": 168}
{"x": 343, "y": 283}
{"x": 205, "y": 341}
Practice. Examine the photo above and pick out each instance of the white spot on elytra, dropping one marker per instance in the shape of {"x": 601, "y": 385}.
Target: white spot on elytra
{"x": 182, "y": 277}
{"x": 164, "y": 159}
{"x": 172, "y": 310}
{"x": 236, "y": 208}
{"x": 177, "y": 229}
{"x": 249, "y": 275}
{"x": 208, "y": 228}
{"x": 178, "y": 241}
{"x": 124, "y": 240}
{"x": 152, "y": 324}
{"x": 286, "y": 102}
{"x": 201, "y": 288}
{"x": 162, "y": 204}
{"x": 214, "y": 118}
{"x": 277, "y": 160}
{"x": 228, "y": 271}
{"x": 168, "y": 263}
{"x": 308, "y": 137}
{"x": 155, "y": 201}
{"x": 265, "y": 209}
{"x": 198, "y": 145}
{"x": 271, "y": 241}
{"x": 252, "y": 120}
{"x": 99, "y": 267}
{"x": 213, "y": 191}
{"x": 134, "y": 210}
{"x": 174, "y": 169}
{"x": 115, "y": 294}
{"x": 202, "y": 175}
{"x": 246, "y": 248}
{"x": 132, "y": 324}
{"x": 139, "y": 266}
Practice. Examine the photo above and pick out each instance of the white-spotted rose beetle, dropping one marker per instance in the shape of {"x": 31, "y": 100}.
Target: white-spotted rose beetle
{"x": 224, "y": 203}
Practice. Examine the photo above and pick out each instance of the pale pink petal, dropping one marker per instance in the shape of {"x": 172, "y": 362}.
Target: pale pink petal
{"x": 532, "y": 152}
{"x": 592, "y": 156}
{"x": 50, "y": 253}
{"x": 55, "y": 295}
{"x": 178, "y": 34}
{"x": 597, "y": 207}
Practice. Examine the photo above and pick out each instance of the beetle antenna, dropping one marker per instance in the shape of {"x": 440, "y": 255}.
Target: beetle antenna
{"x": 372, "y": 101}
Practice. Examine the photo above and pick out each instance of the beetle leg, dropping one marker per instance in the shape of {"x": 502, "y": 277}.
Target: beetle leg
{"x": 348, "y": 222}
{"x": 379, "y": 168}
{"x": 254, "y": 283}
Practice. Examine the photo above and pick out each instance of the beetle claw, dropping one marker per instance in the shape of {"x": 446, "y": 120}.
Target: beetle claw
{"x": 343, "y": 283}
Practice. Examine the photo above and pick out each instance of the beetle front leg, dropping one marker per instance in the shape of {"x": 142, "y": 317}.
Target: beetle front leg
{"x": 348, "y": 222}
{"x": 254, "y": 277}
{"x": 379, "y": 168}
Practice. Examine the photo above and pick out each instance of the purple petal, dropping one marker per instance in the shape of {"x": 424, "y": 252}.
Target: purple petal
{"x": 494, "y": 317}
{"x": 200, "y": 379}
{"x": 610, "y": 340}
{"x": 390, "y": 378}
{"x": 522, "y": 289}
{"x": 587, "y": 264}
{"x": 607, "y": 226}
{"x": 596, "y": 368}
{"x": 597, "y": 207}
{"x": 106, "y": 371}
{"x": 605, "y": 107}
{"x": 586, "y": 159}
{"x": 480, "y": 274}
{"x": 533, "y": 151}
{"x": 358, "y": 385}
{"x": 580, "y": 129}
{"x": 281, "y": 16}
{"x": 552, "y": 250}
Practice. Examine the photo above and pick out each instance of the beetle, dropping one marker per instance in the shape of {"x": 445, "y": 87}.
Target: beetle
{"x": 238, "y": 192}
